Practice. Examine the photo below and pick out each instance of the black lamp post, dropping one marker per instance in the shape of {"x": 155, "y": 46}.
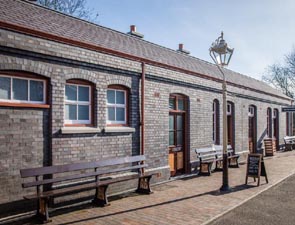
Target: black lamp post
{"x": 221, "y": 55}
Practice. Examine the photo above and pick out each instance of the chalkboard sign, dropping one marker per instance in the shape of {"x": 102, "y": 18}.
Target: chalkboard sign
{"x": 255, "y": 167}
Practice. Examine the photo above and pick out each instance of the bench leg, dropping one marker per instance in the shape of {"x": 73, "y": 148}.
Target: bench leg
{"x": 101, "y": 198}
{"x": 235, "y": 164}
{"x": 218, "y": 166}
{"x": 144, "y": 185}
{"x": 42, "y": 211}
{"x": 207, "y": 169}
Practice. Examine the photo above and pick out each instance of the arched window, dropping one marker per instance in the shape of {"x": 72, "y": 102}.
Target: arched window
{"x": 231, "y": 123}
{"x": 216, "y": 122}
{"x": 269, "y": 123}
{"x": 117, "y": 105}
{"x": 252, "y": 128}
{"x": 78, "y": 102}
{"x": 276, "y": 123}
{"x": 22, "y": 89}
{"x": 289, "y": 123}
{"x": 177, "y": 133}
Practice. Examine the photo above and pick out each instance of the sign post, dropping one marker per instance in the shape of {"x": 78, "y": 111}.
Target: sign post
{"x": 255, "y": 168}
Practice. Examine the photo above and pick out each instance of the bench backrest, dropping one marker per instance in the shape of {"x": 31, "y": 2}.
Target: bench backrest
{"x": 289, "y": 139}
{"x": 206, "y": 153}
{"x": 96, "y": 168}
{"x": 215, "y": 151}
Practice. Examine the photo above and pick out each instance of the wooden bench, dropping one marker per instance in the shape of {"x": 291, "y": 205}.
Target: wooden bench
{"x": 232, "y": 157}
{"x": 96, "y": 175}
{"x": 289, "y": 143}
{"x": 207, "y": 157}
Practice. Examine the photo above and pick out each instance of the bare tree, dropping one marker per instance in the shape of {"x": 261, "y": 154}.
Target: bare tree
{"x": 75, "y": 8}
{"x": 282, "y": 77}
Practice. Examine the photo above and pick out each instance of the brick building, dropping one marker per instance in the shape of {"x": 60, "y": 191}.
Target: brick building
{"x": 71, "y": 91}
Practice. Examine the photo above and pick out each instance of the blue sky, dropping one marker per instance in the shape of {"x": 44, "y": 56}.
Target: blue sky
{"x": 261, "y": 32}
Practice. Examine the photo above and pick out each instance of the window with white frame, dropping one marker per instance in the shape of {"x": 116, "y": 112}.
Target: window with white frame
{"x": 251, "y": 111}
{"x": 275, "y": 112}
{"x": 268, "y": 122}
{"x": 116, "y": 106}
{"x": 78, "y": 106}
{"x": 228, "y": 109}
{"x": 215, "y": 119}
{"x": 22, "y": 90}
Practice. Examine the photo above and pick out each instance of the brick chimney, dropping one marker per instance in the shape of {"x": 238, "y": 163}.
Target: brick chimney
{"x": 134, "y": 33}
{"x": 182, "y": 50}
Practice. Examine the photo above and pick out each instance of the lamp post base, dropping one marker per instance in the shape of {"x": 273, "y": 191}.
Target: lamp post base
{"x": 225, "y": 188}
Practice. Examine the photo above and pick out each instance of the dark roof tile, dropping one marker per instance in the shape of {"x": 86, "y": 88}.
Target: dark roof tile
{"x": 39, "y": 18}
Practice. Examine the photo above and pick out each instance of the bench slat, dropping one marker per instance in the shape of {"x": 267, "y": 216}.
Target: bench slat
{"x": 39, "y": 171}
{"x": 78, "y": 176}
{"x": 83, "y": 187}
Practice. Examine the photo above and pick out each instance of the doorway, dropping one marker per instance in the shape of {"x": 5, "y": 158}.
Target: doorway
{"x": 230, "y": 124}
{"x": 252, "y": 137}
{"x": 177, "y": 145}
{"x": 276, "y": 129}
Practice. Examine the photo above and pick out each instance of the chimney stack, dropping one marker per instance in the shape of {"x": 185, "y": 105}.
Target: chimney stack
{"x": 182, "y": 50}
{"x": 134, "y": 33}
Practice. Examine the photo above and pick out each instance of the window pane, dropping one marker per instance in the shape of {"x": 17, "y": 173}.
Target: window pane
{"x": 172, "y": 103}
{"x": 171, "y": 138}
{"x": 71, "y": 92}
{"x": 111, "y": 113}
{"x": 36, "y": 91}
{"x": 83, "y": 94}
{"x": 120, "y": 97}
{"x": 228, "y": 108}
{"x": 171, "y": 122}
{"x": 5, "y": 88}
{"x": 179, "y": 138}
{"x": 179, "y": 123}
{"x": 111, "y": 96}
{"x": 71, "y": 112}
{"x": 83, "y": 112}
{"x": 120, "y": 114}
{"x": 20, "y": 89}
{"x": 180, "y": 104}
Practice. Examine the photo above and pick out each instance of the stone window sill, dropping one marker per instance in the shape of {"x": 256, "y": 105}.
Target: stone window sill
{"x": 119, "y": 130}
{"x": 80, "y": 130}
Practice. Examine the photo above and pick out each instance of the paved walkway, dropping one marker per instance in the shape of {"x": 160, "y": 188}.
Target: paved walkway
{"x": 194, "y": 200}
{"x": 272, "y": 207}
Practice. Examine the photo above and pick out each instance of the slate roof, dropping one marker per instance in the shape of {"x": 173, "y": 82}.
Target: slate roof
{"x": 32, "y": 16}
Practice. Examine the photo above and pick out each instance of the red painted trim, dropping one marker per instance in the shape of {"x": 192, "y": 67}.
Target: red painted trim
{"x": 24, "y": 105}
{"x": 78, "y": 125}
{"x": 117, "y": 125}
{"x": 44, "y": 35}
{"x": 142, "y": 107}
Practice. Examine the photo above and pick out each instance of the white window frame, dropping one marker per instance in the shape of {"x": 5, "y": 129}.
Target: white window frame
{"x": 115, "y": 122}
{"x": 77, "y": 103}
{"x": 274, "y": 114}
{"x": 214, "y": 121}
{"x": 28, "y": 80}
{"x": 228, "y": 109}
{"x": 251, "y": 111}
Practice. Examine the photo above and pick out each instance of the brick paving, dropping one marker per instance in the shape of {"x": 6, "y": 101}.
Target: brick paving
{"x": 191, "y": 200}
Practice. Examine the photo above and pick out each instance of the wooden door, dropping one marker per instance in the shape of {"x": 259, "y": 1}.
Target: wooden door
{"x": 252, "y": 128}
{"x": 251, "y": 134}
{"x": 230, "y": 130}
{"x": 176, "y": 143}
{"x": 275, "y": 129}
